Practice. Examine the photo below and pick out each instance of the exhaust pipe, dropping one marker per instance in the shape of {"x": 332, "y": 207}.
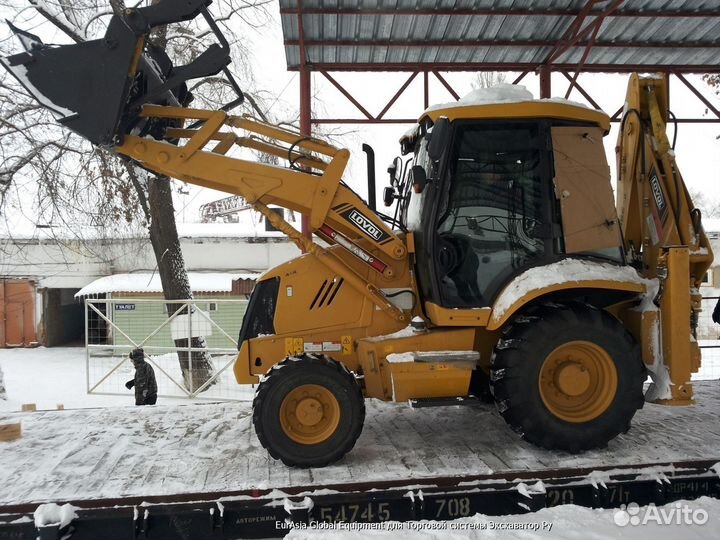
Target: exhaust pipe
{"x": 372, "y": 202}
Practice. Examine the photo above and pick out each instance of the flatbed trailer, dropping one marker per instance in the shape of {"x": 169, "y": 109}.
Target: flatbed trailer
{"x": 197, "y": 470}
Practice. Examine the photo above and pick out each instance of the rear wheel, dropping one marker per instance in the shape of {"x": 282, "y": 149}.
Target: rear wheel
{"x": 308, "y": 411}
{"x": 568, "y": 377}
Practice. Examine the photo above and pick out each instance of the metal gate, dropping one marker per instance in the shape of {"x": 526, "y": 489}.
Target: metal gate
{"x": 709, "y": 341}
{"x": 169, "y": 331}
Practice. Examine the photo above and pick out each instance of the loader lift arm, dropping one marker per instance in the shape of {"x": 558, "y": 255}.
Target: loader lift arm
{"x": 122, "y": 92}
{"x": 335, "y": 211}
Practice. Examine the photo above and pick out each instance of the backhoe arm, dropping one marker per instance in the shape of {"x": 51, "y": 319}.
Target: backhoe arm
{"x": 664, "y": 239}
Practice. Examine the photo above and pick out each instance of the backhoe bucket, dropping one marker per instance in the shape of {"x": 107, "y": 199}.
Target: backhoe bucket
{"x": 97, "y": 88}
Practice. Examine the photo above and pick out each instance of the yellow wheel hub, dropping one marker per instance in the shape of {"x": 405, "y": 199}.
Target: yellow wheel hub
{"x": 309, "y": 414}
{"x": 578, "y": 381}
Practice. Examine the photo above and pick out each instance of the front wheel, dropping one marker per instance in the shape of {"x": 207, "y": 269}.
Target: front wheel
{"x": 308, "y": 411}
{"x": 568, "y": 377}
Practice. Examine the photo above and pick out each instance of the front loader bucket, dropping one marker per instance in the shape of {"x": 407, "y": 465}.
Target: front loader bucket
{"x": 97, "y": 88}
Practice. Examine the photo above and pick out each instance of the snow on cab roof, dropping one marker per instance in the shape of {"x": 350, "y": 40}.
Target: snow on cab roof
{"x": 146, "y": 282}
{"x": 513, "y": 100}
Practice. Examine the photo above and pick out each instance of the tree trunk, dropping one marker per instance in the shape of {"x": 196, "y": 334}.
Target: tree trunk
{"x": 196, "y": 367}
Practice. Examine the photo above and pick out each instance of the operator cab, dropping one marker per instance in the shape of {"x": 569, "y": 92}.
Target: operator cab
{"x": 493, "y": 190}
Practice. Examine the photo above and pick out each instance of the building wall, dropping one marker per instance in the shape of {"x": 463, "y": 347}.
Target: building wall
{"x": 139, "y": 319}
{"x": 70, "y": 265}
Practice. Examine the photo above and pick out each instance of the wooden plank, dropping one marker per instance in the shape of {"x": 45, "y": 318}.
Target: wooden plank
{"x": 10, "y": 432}
{"x": 28, "y": 407}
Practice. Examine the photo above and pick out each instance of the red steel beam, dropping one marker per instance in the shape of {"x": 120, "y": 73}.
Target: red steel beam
{"x": 504, "y": 12}
{"x": 364, "y": 120}
{"x": 545, "y": 82}
{"x": 574, "y": 83}
{"x": 510, "y": 66}
{"x": 697, "y": 93}
{"x": 505, "y": 43}
{"x": 426, "y": 90}
{"x": 397, "y": 95}
{"x": 563, "y": 46}
{"x": 571, "y": 32}
{"x": 520, "y": 77}
{"x": 588, "y": 48}
{"x": 447, "y": 86}
{"x": 347, "y": 94}
{"x": 361, "y": 121}
{"x": 305, "y": 102}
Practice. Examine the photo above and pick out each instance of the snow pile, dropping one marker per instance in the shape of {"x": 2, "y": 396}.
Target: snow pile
{"x": 53, "y": 514}
{"x": 565, "y": 271}
{"x": 564, "y": 522}
{"x": 400, "y": 358}
{"x": 144, "y": 282}
{"x": 408, "y": 331}
{"x": 499, "y": 94}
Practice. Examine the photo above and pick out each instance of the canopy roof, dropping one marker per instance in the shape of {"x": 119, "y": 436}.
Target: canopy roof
{"x": 508, "y": 35}
{"x": 145, "y": 282}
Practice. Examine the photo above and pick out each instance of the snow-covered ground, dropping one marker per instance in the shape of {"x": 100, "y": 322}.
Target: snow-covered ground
{"x": 567, "y": 522}
{"x": 52, "y": 376}
{"x": 109, "y": 448}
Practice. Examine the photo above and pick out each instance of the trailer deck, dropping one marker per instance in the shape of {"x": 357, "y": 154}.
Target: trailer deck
{"x": 135, "y": 452}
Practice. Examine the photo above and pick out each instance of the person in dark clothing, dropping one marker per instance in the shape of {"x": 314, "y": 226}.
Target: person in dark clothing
{"x": 716, "y": 313}
{"x": 144, "y": 380}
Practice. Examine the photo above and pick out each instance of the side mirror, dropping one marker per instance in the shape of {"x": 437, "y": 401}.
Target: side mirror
{"x": 439, "y": 138}
{"x": 395, "y": 170}
{"x": 389, "y": 196}
{"x": 419, "y": 178}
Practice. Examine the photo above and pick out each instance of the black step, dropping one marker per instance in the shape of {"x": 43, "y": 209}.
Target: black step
{"x": 466, "y": 401}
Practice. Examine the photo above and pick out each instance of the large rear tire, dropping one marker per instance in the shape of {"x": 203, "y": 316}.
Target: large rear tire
{"x": 308, "y": 411}
{"x": 567, "y": 377}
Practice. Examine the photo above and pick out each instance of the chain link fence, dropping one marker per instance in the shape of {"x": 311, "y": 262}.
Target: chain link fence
{"x": 191, "y": 345}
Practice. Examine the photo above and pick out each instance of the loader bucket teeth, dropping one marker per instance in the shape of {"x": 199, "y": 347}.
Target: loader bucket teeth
{"x": 97, "y": 88}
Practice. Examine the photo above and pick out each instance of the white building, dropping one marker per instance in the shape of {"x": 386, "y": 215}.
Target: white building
{"x": 40, "y": 273}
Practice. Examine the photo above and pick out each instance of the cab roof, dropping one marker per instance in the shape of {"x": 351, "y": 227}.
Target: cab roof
{"x": 543, "y": 108}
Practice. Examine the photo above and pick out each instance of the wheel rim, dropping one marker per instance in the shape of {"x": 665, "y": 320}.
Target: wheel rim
{"x": 309, "y": 414}
{"x": 578, "y": 381}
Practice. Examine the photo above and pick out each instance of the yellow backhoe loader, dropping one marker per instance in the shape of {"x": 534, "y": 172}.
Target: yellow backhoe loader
{"x": 506, "y": 274}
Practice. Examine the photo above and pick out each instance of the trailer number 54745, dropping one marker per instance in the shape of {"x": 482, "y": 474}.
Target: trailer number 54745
{"x": 368, "y": 512}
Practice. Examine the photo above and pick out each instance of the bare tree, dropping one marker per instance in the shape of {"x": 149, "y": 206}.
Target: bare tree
{"x": 79, "y": 184}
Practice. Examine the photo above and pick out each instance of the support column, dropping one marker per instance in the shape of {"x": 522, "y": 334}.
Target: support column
{"x": 545, "y": 88}
{"x": 305, "y": 126}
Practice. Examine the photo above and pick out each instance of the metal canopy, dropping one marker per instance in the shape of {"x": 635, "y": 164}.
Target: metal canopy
{"x": 508, "y": 35}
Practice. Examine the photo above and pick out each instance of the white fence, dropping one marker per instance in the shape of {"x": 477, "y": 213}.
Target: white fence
{"x": 709, "y": 341}
{"x": 114, "y": 327}
{"x": 179, "y": 337}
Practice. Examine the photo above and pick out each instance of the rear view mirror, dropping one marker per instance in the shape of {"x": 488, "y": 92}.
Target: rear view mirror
{"x": 439, "y": 138}
{"x": 395, "y": 170}
{"x": 389, "y": 196}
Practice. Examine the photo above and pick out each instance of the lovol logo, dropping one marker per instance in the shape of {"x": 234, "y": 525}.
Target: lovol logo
{"x": 365, "y": 225}
{"x": 658, "y": 194}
